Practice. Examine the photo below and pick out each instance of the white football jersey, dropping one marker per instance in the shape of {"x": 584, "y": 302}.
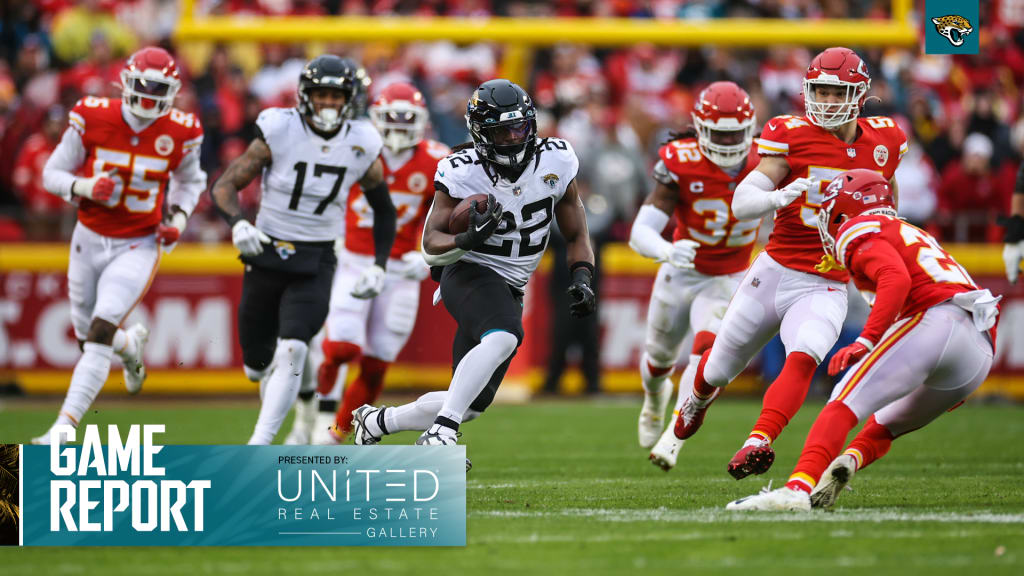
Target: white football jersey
{"x": 516, "y": 247}
{"x": 305, "y": 188}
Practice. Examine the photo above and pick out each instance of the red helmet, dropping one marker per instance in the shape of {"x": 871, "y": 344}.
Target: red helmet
{"x": 150, "y": 81}
{"x": 724, "y": 119}
{"x": 848, "y": 195}
{"x": 836, "y": 67}
{"x": 400, "y": 115}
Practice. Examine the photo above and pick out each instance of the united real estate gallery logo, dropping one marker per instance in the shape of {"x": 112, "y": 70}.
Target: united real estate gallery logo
{"x": 951, "y": 27}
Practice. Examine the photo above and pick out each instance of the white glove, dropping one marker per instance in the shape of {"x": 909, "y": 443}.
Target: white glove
{"x": 370, "y": 283}
{"x": 792, "y": 191}
{"x": 414, "y": 267}
{"x": 680, "y": 253}
{"x": 1012, "y": 256}
{"x": 248, "y": 238}
{"x": 98, "y": 188}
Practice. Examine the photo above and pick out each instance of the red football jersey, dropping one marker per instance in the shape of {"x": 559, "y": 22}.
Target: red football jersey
{"x": 144, "y": 162}
{"x": 28, "y": 176}
{"x": 412, "y": 191}
{"x": 934, "y": 275}
{"x": 813, "y": 152}
{"x": 704, "y": 210}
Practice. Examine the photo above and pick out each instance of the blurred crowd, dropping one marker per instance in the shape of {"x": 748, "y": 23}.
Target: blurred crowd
{"x": 964, "y": 116}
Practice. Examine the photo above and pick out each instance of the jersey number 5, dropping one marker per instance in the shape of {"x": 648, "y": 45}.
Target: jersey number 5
{"x": 318, "y": 170}
{"x": 130, "y": 179}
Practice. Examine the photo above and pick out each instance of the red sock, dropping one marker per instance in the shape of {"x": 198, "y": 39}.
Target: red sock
{"x": 784, "y": 397}
{"x": 365, "y": 389}
{"x": 700, "y": 385}
{"x": 335, "y": 354}
{"x": 873, "y": 441}
{"x": 702, "y": 342}
{"x": 824, "y": 442}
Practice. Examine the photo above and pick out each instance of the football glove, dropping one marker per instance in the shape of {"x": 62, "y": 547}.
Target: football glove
{"x": 680, "y": 253}
{"x": 248, "y": 238}
{"x": 848, "y": 356}
{"x": 169, "y": 231}
{"x": 582, "y": 300}
{"x": 1013, "y": 254}
{"x": 481, "y": 226}
{"x": 98, "y": 188}
{"x": 792, "y": 191}
{"x": 370, "y": 283}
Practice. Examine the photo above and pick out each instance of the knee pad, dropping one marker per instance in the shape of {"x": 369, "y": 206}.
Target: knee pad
{"x": 505, "y": 343}
{"x": 711, "y": 372}
{"x": 254, "y": 374}
{"x": 702, "y": 341}
{"x": 372, "y": 371}
{"x": 339, "y": 353}
{"x": 291, "y": 354}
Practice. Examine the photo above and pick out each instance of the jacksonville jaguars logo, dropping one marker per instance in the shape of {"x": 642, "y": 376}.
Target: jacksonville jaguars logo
{"x": 359, "y": 151}
{"x": 284, "y": 249}
{"x": 953, "y": 27}
{"x": 551, "y": 180}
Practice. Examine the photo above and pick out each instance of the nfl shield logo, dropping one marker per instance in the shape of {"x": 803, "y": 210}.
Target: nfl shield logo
{"x": 851, "y": 152}
{"x": 517, "y": 191}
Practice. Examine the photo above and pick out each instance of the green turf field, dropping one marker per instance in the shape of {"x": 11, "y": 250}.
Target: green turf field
{"x": 560, "y": 487}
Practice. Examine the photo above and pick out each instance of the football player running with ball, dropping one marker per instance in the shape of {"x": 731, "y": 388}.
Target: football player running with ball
{"x": 927, "y": 344}
{"x": 309, "y": 157}
{"x": 132, "y": 167}
{"x": 375, "y": 331}
{"x": 787, "y": 289}
{"x": 701, "y": 268}
{"x": 527, "y": 180}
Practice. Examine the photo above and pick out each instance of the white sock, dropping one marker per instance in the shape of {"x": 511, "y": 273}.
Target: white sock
{"x": 417, "y": 415}
{"x": 123, "y": 345}
{"x": 86, "y": 381}
{"x": 474, "y": 371}
{"x": 281, "y": 390}
{"x": 686, "y": 382}
{"x": 651, "y": 383}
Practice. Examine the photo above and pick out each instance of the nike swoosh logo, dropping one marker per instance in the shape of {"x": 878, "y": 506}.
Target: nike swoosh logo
{"x": 481, "y": 227}
{"x": 831, "y": 289}
{"x": 134, "y": 246}
{"x": 441, "y": 174}
{"x": 771, "y": 126}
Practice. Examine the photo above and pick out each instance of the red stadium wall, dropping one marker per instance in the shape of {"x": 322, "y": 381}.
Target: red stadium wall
{"x": 193, "y": 346}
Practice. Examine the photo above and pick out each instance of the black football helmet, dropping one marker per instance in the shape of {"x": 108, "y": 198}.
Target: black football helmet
{"x": 330, "y": 71}
{"x": 502, "y": 121}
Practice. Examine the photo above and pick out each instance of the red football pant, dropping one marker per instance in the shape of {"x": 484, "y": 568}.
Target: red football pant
{"x": 365, "y": 389}
{"x": 785, "y": 396}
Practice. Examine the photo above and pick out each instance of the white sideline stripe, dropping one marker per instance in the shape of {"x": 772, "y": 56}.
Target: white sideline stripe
{"x": 715, "y": 515}
{"x": 476, "y": 485}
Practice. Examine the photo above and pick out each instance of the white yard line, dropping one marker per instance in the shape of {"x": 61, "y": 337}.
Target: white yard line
{"x": 716, "y": 516}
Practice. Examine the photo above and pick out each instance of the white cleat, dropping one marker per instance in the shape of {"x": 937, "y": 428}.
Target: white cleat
{"x": 305, "y": 420}
{"x": 360, "y": 434}
{"x": 429, "y": 438}
{"x": 652, "y": 415}
{"x": 665, "y": 452}
{"x": 836, "y": 477}
{"x": 44, "y": 440}
{"x": 325, "y": 433}
{"x": 778, "y": 500}
{"x": 134, "y": 369}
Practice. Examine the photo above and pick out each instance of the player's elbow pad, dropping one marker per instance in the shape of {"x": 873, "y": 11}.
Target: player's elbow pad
{"x": 751, "y": 199}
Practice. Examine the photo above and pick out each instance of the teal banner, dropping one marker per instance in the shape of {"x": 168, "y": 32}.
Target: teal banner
{"x": 139, "y": 495}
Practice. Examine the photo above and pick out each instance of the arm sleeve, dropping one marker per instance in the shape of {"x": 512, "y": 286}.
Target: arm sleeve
{"x": 645, "y": 237}
{"x": 751, "y": 198}
{"x": 188, "y": 180}
{"x": 877, "y": 260}
{"x": 66, "y": 159}
{"x": 384, "y": 221}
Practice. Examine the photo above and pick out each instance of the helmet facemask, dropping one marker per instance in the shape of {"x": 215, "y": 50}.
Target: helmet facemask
{"x": 726, "y": 143}
{"x": 400, "y": 123}
{"x": 148, "y": 93}
{"x": 327, "y": 118}
{"x": 510, "y": 143}
{"x": 832, "y": 115}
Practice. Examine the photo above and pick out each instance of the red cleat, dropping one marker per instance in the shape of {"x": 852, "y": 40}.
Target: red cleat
{"x": 691, "y": 416}
{"x": 756, "y": 459}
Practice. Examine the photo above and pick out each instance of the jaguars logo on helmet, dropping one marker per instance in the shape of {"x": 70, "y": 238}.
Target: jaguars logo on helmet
{"x": 330, "y": 71}
{"x": 502, "y": 122}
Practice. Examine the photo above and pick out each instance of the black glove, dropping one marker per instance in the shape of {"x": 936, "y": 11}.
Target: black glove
{"x": 1014, "y": 228}
{"x": 582, "y": 300}
{"x": 481, "y": 226}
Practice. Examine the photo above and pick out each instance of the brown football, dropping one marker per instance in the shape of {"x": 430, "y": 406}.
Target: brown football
{"x": 459, "y": 220}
